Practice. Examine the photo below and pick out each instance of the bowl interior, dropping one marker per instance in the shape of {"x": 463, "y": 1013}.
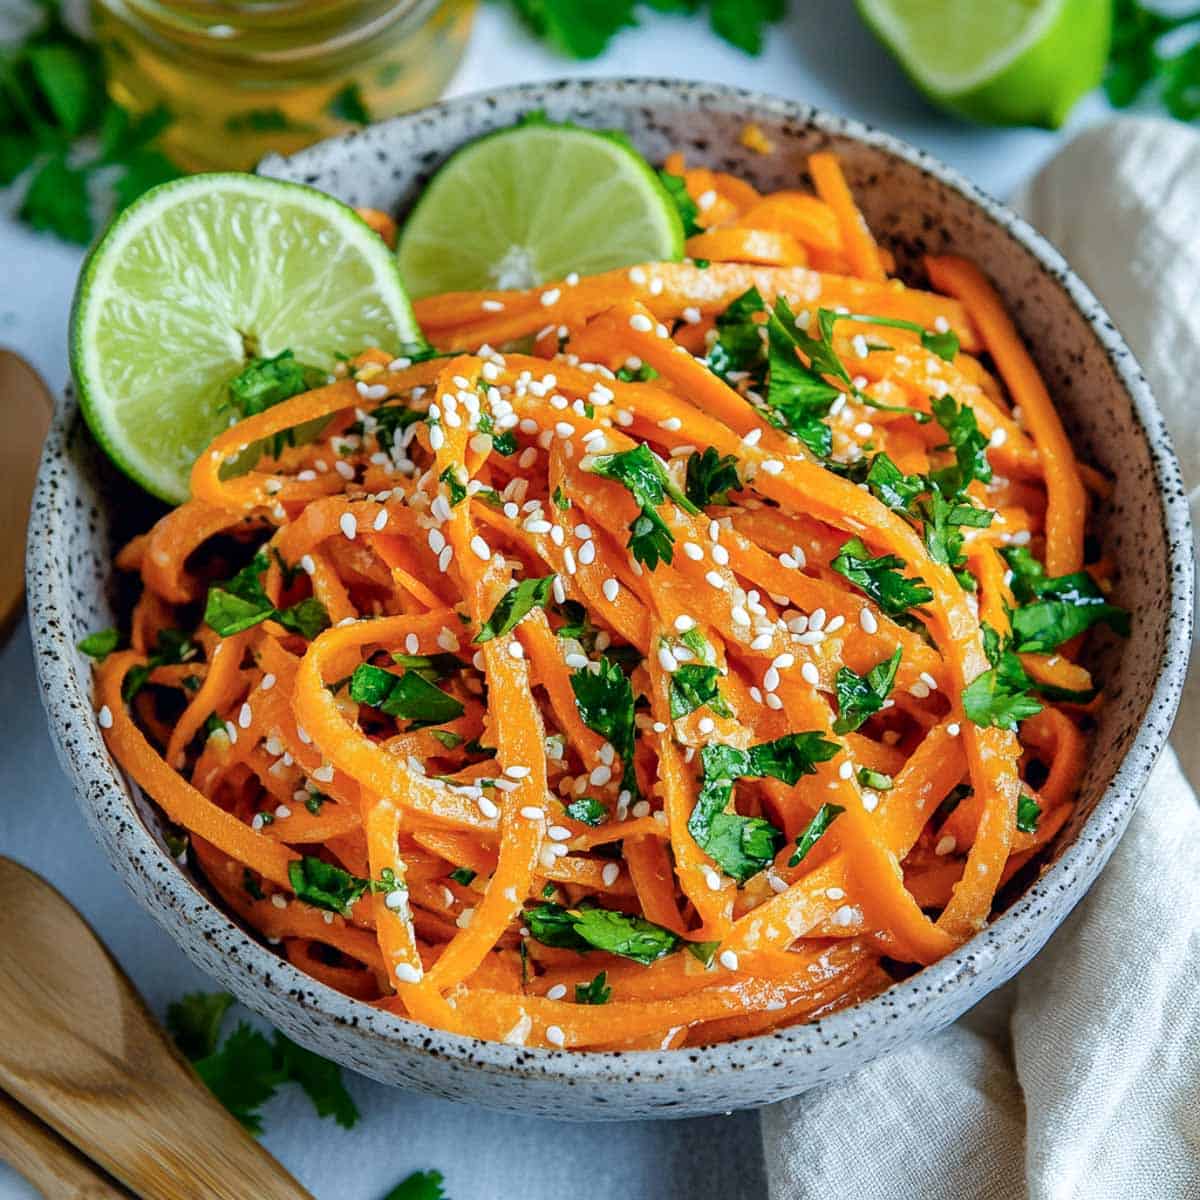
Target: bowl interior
{"x": 915, "y": 206}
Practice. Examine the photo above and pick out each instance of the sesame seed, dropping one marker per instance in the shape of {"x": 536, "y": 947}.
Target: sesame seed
{"x": 706, "y": 725}
{"x": 245, "y": 716}
{"x": 954, "y": 729}
{"x": 600, "y": 775}
{"x": 551, "y": 296}
{"x": 487, "y": 807}
{"x": 762, "y": 642}
{"x": 516, "y": 771}
{"x": 846, "y": 770}
{"x": 577, "y": 662}
{"x": 844, "y": 916}
{"x": 564, "y": 429}
{"x": 407, "y": 973}
{"x": 278, "y": 899}
{"x": 349, "y": 526}
{"x": 866, "y": 619}
{"x": 105, "y": 717}
{"x": 712, "y": 879}
{"x": 929, "y": 681}
{"x": 610, "y": 587}
{"x": 946, "y": 845}
{"x": 555, "y": 1036}
{"x": 941, "y": 325}
{"x": 835, "y": 893}
{"x": 610, "y": 873}
{"x": 720, "y": 556}
{"x": 752, "y": 438}
{"x": 772, "y": 466}
{"x": 693, "y": 551}
{"x": 835, "y": 623}
{"x": 437, "y": 540}
{"x": 770, "y": 679}
{"x": 641, "y": 323}
{"x": 671, "y": 424}
{"x": 587, "y": 553}
{"x": 444, "y": 559}
{"x": 810, "y": 674}
{"x": 516, "y": 650}
{"x": 558, "y": 833}
{"x": 557, "y": 992}
{"x": 532, "y": 813}
{"x": 691, "y": 315}
{"x": 437, "y": 439}
{"x": 666, "y": 659}
{"x": 728, "y": 959}
{"x": 480, "y": 548}
{"x": 714, "y": 580}
{"x": 740, "y": 616}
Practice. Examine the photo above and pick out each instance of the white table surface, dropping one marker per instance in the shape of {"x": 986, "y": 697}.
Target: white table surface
{"x": 820, "y": 55}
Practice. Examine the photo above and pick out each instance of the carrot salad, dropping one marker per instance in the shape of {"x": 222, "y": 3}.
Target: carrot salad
{"x": 701, "y": 667}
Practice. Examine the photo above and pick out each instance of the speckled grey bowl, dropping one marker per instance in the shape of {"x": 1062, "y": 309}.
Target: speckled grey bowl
{"x": 915, "y": 205}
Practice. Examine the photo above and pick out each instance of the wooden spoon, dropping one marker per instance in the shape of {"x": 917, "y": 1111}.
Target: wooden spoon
{"x": 25, "y": 411}
{"x": 80, "y": 1050}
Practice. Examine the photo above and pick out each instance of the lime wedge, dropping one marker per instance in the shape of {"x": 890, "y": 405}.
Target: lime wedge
{"x": 198, "y": 277}
{"x": 534, "y": 203}
{"x": 1003, "y": 62}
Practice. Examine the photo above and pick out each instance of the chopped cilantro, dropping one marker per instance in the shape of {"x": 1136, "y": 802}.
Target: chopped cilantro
{"x": 1000, "y": 695}
{"x": 824, "y": 817}
{"x": 587, "y": 810}
{"x": 241, "y": 602}
{"x": 880, "y": 578}
{"x": 859, "y": 696}
{"x": 588, "y": 928}
{"x": 171, "y": 646}
{"x": 943, "y": 344}
{"x": 605, "y": 700}
{"x": 409, "y": 696}
{"x": 646, "y": 478}
{"x": 463, "y": 875}
{"x": 876, "y": 780}
{"x": 711, "y": 477}
{"x": 684, "y": 204}
{"x": 458, "y": 493}
{"x": 1029, "y": 812}
{"x": 265, "y": 382}
{"x": 348, "y": 105}
{"x": 514, "y": 606}
{"x": 703, "y": 951}
{"x": 323, "y": 885}
{"x": 968, "y": 444}
{"x": 594, "y": 992}
{"x": 692, "y": 687}
{"x": 100, "y": 645}
{"x": 420, "y": 1185}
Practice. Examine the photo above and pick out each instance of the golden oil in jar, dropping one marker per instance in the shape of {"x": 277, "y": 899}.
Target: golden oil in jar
{"x": 242, "y": 78}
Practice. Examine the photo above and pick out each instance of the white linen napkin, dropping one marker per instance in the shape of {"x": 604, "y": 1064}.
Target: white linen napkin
{"x": 1080, "y": 1079}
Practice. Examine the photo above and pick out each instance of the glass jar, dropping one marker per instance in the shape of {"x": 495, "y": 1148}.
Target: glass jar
{"x": 241, "y": 78}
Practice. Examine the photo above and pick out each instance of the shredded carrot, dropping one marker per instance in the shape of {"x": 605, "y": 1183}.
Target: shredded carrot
{"x": 543, "y": 726}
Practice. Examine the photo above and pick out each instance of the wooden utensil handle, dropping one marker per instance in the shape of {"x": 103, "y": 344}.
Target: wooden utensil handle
{"x": 51, "y": 1164}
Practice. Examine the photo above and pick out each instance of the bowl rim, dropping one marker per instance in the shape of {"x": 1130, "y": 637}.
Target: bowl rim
{"x": 74, "y": 727}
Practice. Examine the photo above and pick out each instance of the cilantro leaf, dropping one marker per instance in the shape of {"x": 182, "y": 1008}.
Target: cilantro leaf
{"x": 684, "y": 204}
{"x": 320, "y": 1079}
{"x": 409, "y": 696}
{"x": 420, "y": 1185}
{"x": 240, "y": 602}
{"x": 643, "y": 474}
{"x": 323, "y": 885}
{"x": 514, "y": 606}
{"x": 1055, "y": 609}
{"x": 194, "y": 1021}
{"x": 458, "y": 493}
{"x": 798, "y": 394}
{"x": 348, "y": 105}
{"x": 68, "y": 78}
{"x": 308, "y": 617}
{"x": 100, "y": 645}
{"x": 742, "y": 22}
{"x": 743, "y": 846}
{"x": 576, "y": 28}
{"x": 605, "y": 700}
{"x": 1000, "y": 695}
{"x": 740, "y": 345}
{"x": 57, "y": 200}
{"x": 265, "y": 382}
{"x": 859, "y": 696}
{"x": 463, "y": 875}
{"x": 822, "y": 819}
{"x": 703, "y": 951}
{"x": 594, "y": 992}
{"x": 1029, "y": 812}
{"x": 968, "y": 444}
{"x": 600, "y": 929}
{"x": 880, "y": 578}
{"x": 587, "y": 810}
{"x": 889, "y": 485}
{"x": 711, "y": 477}
{"x": 692, "y": 687}
{"x": 170, "y": 646}
{"x": 242, "y": 1074}
{"x": 943, "y": 521}
{"x": 944, "y": 343}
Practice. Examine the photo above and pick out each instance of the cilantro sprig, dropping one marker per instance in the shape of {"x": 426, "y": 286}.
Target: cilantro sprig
{"x": 245, "y": 1069}
{"x": 604, "y": 697}
{"x": 880, "y": 578}
{"x": 588, "y": 928}
{"x": 859, "y": 696}
{"x": 743, "y": 846}
{"x": 514, "y": 606}
{"x": 710, "y": 478}
{"x": 643, "y": 474}
{"x": 1000, "y": 695}
{"x": 241, "y": 602}
{"x": 693, "y": 686}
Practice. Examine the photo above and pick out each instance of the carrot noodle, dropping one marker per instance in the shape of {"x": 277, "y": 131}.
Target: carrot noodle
{"x": 461, "y": 531}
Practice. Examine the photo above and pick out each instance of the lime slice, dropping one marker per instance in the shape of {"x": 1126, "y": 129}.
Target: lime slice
{"x": 534, "y": 203}
{"x": 198, "y": 277}
{"x": 1003, "y": 62}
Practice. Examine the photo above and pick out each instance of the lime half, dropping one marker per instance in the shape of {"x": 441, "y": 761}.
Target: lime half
{"x": 197, "y": 278}
{"x": 534, "y": 203}
{"x": 1004, "y": 62}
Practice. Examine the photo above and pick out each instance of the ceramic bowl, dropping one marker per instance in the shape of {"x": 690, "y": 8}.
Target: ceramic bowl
{"x": 915, "y": 205}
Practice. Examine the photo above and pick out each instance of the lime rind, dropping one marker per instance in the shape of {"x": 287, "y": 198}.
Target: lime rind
{"x": 201, "y": 274}
{"x": 526, "y": 205}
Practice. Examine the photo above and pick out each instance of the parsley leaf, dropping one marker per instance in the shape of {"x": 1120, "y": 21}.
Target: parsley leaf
{"x": 880, "y": 578}
{"x": 1000, "y": 695}
{"x": 889, "y": 485}
{"x": 594, "y": 992}
{"x": 600, "y": 929}
{"x": 859, "y": 696}
{"x": 711, "y": 477}
{"x": 514, "y": 606}
{"x": 824, "y": 817}
{"x": 943, "y": 521}
{"x": 409, "y": 696}
{"x": 684, "y": 204}
{"x": 692, "y": 687}
{"x": 100, "y": 645}
{"x": 323, "y": 885}
{"x": 1055, "y": 609}
{"x": 798, "y": 394}
{"x": 1029, "y": 812}
{"x": 605, "y": 700}
{"x": 587, "y": 810}
{"x": 644, "y": 475}
{"x": 743, "y": 846}
{"x": 420, "y": 1185}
